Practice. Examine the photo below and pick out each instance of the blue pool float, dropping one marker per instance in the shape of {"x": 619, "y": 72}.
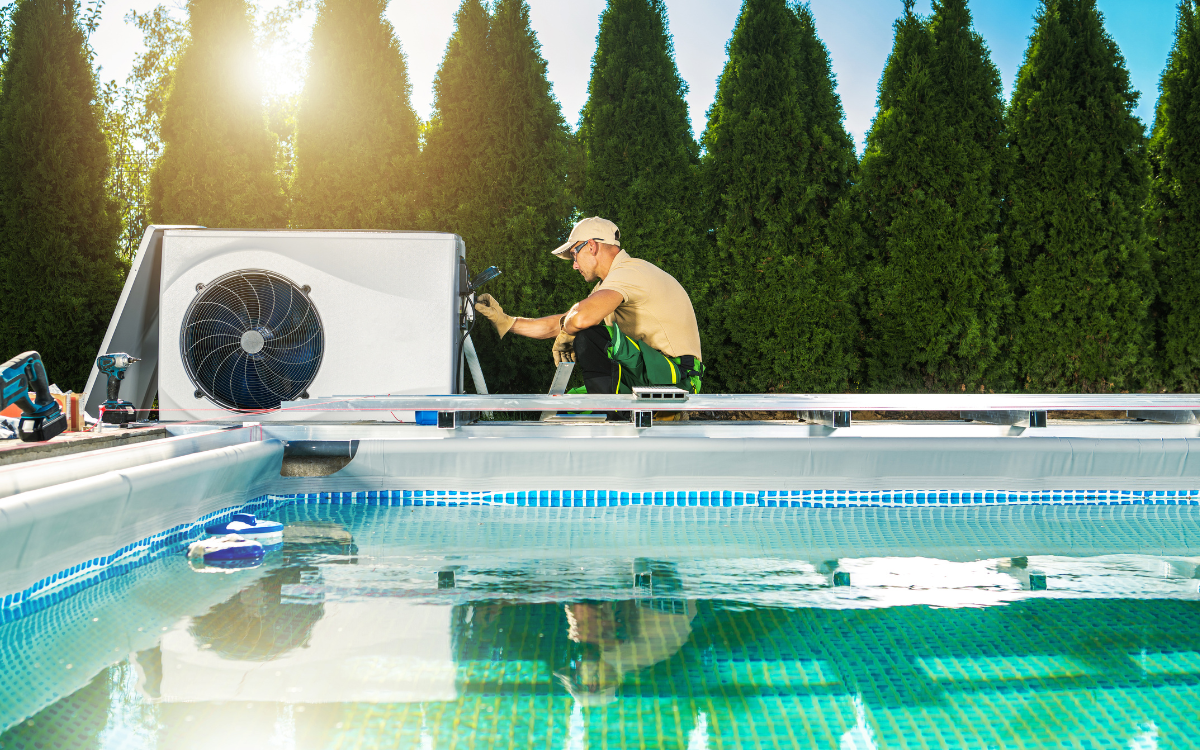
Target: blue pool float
{"x": 230, "y": 551}
{"x": 245, "y": 524}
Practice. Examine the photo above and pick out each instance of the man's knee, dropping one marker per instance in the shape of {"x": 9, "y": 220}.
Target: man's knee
{"x": 591, "y": 347}
{"x": 591, "y": 356}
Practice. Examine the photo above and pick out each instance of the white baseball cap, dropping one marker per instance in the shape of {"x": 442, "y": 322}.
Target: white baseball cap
{"x": 592, "y": 228}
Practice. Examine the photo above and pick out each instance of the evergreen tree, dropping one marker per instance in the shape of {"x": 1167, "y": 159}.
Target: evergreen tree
{"x": 59, "y": 273}
{"x": 132, "y": 116}
{"x": 640, "y": 156}
{"x": 777, "y": 165}
{"x": 1074, "y": 231}
{"x": 217, "y": 167}
{"x": 932, "y": 184}
{"x": 456, "y": 179}
{"x": 1174, "y": 205}
{"x": 356, "y": 141}
{"x": 495, "y": 163}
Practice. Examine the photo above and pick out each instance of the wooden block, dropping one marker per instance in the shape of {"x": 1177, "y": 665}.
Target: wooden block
{"x": 69, "y": 403}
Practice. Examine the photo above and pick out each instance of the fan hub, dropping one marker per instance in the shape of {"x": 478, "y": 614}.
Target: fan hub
{"x": 252, "y": 341}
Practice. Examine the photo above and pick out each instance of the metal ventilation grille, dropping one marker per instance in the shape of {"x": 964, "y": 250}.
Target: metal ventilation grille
{"x": 251, "y": 340}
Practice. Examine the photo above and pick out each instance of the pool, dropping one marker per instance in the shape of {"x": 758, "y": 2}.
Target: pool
{"x": 491, "y": 627}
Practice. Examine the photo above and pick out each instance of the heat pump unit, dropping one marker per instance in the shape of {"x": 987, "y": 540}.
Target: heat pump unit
{"x": 248, "y": 320}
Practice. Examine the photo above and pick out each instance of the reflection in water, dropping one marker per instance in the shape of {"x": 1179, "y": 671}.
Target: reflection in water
{"x": 618, "y": 637}
{"x": 273, "y": 615}
{"x": 341, "y": 641}
{"x": 75, "y": 721}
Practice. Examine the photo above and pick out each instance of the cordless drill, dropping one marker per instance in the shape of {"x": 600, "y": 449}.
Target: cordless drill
{"x": 23, "y": 382}
{"x": 116, "y": 411}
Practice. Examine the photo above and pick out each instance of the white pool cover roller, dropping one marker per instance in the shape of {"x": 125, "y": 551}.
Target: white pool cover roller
{"x": 670, "y": 462}
{"x": 34, "y": 475}
{"x": 54, "y": 529}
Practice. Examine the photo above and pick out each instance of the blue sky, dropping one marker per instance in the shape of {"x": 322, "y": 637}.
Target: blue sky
{"x": 857, "y": 32}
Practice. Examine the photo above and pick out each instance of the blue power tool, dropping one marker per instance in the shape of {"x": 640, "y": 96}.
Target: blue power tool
{"x": 41, "y": 417}
{"x": 116, "y": 411}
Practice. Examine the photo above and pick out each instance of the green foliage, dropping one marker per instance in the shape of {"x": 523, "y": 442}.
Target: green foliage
{"x": 356, "y": 142}
{"x": 495, "y": 162}
{"x": 129, "y": 178}
{"x": 1174, "y": 207}
{"x": 59, "y": 272}
{"x": 1074, "y": 230}
{"x": 640, "y": 157}
{"x": 931, "y": 186}
{"x": 132, "y": 117}
{"x": 6, "y": 12}
{"x": 217, "y": 167}
{"x": 778, "y": 163}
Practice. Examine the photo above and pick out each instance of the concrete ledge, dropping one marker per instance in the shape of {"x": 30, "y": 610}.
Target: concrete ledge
{"x": 69, "y": 443}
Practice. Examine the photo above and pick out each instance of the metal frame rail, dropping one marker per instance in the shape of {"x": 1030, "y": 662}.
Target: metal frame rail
{"x": 835, "y": 409}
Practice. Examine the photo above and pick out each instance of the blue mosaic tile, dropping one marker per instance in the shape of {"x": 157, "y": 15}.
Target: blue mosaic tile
{"x": 757, "y": 498}
{"x": 53, "y": 588}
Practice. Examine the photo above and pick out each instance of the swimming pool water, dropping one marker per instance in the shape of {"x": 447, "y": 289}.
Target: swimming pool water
{"x": 636, "y": 627}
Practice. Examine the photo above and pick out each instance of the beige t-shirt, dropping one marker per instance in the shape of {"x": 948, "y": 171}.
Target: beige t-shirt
{"x": 656, "y": 309}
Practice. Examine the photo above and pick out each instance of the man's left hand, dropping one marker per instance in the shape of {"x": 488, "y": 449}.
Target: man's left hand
{"x": 564, "y": 348}
{"x": 489, "y": 308}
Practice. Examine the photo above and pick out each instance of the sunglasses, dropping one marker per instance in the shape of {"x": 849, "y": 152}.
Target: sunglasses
{"x": 578, "y": 247}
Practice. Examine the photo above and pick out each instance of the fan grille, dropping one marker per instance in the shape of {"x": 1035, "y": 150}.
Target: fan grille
{"x": 251, "y": 340}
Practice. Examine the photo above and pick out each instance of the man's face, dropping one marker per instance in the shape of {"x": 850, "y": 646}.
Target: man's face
{"x": 585, "y": 261}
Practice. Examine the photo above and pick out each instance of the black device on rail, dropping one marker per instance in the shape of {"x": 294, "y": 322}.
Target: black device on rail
{"x": 467, "y": 286}
{"x": 41, "y": 417}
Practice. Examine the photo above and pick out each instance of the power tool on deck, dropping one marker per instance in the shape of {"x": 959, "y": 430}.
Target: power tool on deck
{"x": 116, "y": 410}
{"x": 41, "y": 417}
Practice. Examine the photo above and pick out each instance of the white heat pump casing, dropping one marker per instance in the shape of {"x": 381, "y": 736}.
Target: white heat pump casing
{"x": 388, "y": 304}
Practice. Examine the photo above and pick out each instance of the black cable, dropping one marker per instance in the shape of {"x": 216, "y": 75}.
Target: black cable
{"x": 462, "y": 341}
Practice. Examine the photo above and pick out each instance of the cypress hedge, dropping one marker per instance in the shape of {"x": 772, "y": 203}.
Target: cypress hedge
{"x": 456, "y": 180}
{"x": 217, "y": 167}
{"x": 932, "y": 180}
{"x": 1174, "y": 207}
{"x": 356, "y": 139}
{"x": 495, "y": 159}
{"x": 1074, "y": 230}
{"x": 640, "y": 157}
{"x": 778, "y": 313}
{"x": 59, "y": 272}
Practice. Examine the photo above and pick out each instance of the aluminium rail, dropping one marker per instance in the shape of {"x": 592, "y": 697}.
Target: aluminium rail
{"x": 833, "y": 402}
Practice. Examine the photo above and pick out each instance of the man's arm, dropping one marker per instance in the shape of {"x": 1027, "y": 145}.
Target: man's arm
{"x": 583, "y": 314}
{"x": 591, "y": 310}
{"x": 536, "y": 328}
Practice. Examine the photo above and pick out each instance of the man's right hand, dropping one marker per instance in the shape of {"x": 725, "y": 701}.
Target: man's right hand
{"x": 489, "y": 308}
{"x": 564, "y": 348}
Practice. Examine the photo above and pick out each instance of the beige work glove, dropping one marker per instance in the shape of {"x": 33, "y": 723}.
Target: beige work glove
{"x": 564, "y": 348}
{"x": 489, "y": 308}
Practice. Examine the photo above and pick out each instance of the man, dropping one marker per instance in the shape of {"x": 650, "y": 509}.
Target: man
{"x": 636, "y": 328}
